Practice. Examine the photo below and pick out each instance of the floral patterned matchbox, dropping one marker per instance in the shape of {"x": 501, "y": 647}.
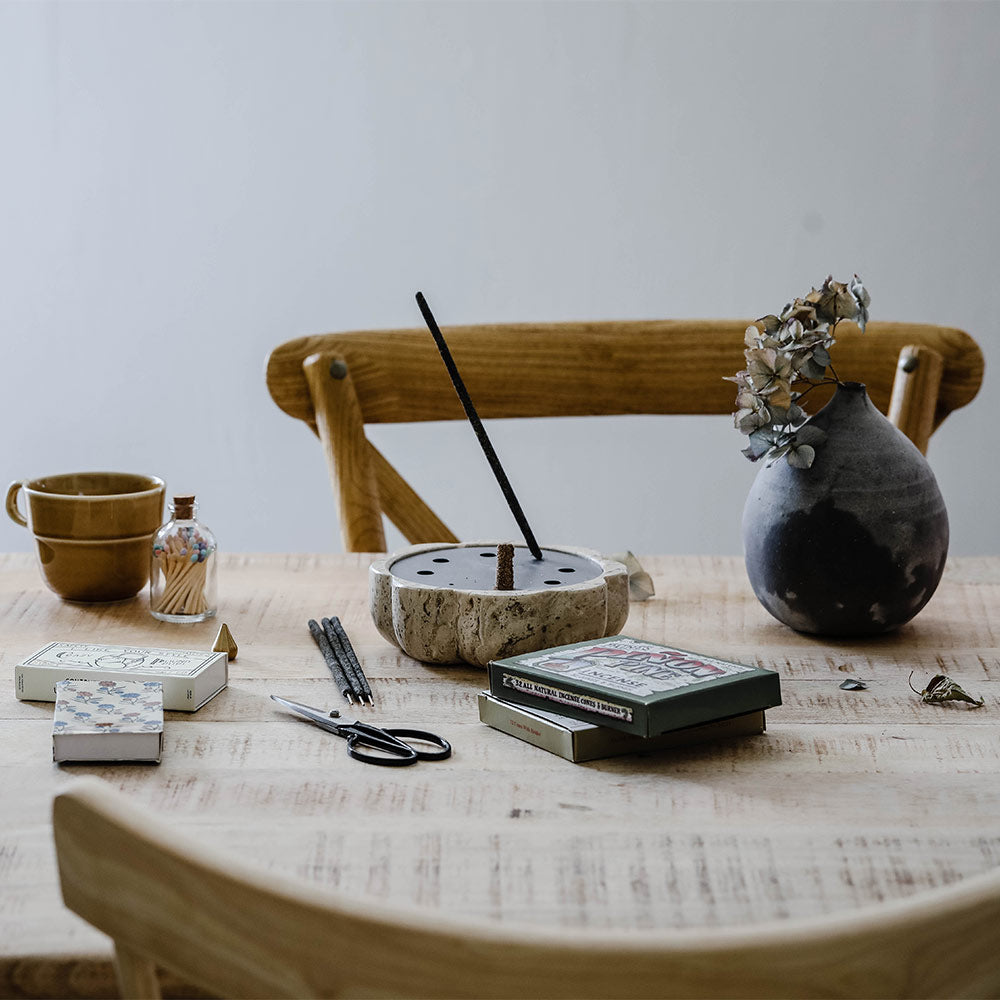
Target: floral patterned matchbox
{"x": 633, "y": 685}
{"x": 108, "y": 721}
{"x": 190, "y": 677}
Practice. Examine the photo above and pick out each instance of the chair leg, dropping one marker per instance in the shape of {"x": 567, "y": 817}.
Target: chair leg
{"x": 137, "y": 978}
{"x": 913, "y": 404}
{"x": 341, "y": 429}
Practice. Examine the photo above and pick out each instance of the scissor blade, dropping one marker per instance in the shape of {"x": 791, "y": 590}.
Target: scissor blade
{"x": 314, "y": 715}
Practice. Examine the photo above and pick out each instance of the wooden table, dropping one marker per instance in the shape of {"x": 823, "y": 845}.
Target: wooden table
{"x": 850, "y": 797}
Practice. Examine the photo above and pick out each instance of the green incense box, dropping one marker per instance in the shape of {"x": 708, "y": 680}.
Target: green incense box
{"x": 634, "y": 685}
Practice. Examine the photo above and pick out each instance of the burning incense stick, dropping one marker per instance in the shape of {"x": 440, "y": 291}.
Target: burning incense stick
{"x": 477, "y": 426}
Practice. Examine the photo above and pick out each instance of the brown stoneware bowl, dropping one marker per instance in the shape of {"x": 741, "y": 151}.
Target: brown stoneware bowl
{"x": 94, "y": 570}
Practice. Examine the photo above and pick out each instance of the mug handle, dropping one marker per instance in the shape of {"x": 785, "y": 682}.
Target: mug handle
{"x": 15, "y": 515}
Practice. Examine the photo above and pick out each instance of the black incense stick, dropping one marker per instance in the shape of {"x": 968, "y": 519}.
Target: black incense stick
{"x": 351, "y": 667}
{"x": 334, "y": 629}
{"x": 332, "y": 661}
{"x": 477, "y": 426}
{"x": 342, "y": 662}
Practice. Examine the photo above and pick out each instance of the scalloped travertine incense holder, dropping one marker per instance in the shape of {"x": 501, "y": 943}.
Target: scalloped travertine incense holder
{"x": 440, "y": 604}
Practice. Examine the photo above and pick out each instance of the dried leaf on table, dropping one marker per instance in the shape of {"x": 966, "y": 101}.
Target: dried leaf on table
{"x": 853, "y": 684}
{"x": 640, "y": 583}
{"x": 941, "y": 689}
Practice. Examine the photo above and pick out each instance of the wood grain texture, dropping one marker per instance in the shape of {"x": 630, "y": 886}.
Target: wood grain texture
{"x": 569, "y": 369}
{"x": 239, "y": 931}
{"x": 850, "y": 799}
{"x": 577, "y": 369}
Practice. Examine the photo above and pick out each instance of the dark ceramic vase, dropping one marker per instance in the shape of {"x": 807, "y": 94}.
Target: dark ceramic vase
{"x": 855, "y": 544}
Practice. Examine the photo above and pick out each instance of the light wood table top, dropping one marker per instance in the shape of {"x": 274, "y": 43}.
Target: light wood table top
{"x": 849, "y": 798}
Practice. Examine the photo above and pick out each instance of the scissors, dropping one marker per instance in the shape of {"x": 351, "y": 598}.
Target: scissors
{"x": 360, "y": 734}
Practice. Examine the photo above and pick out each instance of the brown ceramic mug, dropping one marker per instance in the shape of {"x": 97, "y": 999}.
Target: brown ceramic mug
{"x": 94, "y": 570}
{"x": 89, "y": 505}
{"x": 93, "y": 530}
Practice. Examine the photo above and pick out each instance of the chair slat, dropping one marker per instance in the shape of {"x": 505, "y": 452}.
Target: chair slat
{"x": 570, "y": 369}
{"x": 236, "y": 931}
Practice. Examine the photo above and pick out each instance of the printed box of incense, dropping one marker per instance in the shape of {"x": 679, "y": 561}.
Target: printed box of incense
{"x": 111, "y": 720}
{"x": 580, "y": 741}
{"x": 189, "y": 677}
{"x": 633, "y": 685}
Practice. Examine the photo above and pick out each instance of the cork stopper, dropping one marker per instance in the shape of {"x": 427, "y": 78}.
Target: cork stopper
{"x": 184, "y": 507}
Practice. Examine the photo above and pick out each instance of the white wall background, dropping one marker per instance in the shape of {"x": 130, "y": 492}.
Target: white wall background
{"x": 185, "y": 185}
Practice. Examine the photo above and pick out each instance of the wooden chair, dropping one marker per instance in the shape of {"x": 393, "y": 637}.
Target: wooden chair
{"x": 167, "y": 901}
{"x": 339, "y": 382}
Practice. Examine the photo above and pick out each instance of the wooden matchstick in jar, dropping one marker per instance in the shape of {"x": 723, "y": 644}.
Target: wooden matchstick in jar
{"x": 182, "y": 571}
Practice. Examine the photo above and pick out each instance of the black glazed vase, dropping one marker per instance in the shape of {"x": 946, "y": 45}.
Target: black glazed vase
{"x": 855, "y": 544}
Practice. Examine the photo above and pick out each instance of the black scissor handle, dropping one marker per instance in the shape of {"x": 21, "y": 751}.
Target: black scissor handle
{"x": 388, "y": 740}
{"x": 423, "y": 737}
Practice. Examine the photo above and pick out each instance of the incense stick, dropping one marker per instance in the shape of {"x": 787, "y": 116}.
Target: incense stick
{"x": 345, "y": 664}
{"x": 352, "y": 665}
{"x": 477, "y": 426}
{"x": 332, "y": 660}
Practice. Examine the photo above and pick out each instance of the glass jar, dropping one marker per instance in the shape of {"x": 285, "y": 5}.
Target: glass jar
{"x": 182, "y": 584}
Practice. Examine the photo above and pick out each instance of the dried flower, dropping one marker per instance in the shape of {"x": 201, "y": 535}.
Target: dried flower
{"x": 802, "y": 447}
{"x": 784, "y": 352}
{"x": 942, "y": 688}
{"x": 863, "y": 299}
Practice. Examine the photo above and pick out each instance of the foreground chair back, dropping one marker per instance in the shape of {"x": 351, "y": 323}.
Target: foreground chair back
{"x": 337, "y": 383}
{"x": 167, "y": 901}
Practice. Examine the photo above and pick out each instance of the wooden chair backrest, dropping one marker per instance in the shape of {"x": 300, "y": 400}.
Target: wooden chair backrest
{"x": 166, "y": 900}
{"x": 338, "y": 382}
